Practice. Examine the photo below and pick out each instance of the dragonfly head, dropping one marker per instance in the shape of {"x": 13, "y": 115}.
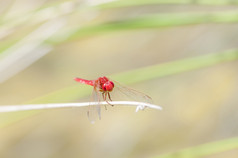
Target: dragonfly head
{"x": 108, "y": 86}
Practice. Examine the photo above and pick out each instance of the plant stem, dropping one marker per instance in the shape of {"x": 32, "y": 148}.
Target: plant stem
{"x": 15, "y": 108}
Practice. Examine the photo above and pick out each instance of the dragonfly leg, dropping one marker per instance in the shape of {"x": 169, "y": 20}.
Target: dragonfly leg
{"x": 109, "y": 98}
{"x": 104, "y": 98}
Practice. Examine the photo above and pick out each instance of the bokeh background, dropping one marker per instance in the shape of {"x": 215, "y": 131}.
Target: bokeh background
{"x": 45, "y": 44}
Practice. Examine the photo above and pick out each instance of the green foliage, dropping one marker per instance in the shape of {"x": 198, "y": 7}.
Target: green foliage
{"x": 204, "y": 149}
{"x": 131, "y": 3}
{"x": 147, "y": 22}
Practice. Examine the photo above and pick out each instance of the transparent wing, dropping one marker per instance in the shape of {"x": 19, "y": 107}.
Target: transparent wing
{"x": 123, "y": 92}
{"x": 94, "y": 111}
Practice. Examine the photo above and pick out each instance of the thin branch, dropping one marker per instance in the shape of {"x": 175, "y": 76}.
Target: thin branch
{"x": 15, "y": 108}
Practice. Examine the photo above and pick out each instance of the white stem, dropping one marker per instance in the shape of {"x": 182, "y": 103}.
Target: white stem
{"x": 14, "y": 108}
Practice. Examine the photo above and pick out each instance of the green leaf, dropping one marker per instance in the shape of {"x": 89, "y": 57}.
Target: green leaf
{"x": 132, "y": 3}
{"x": 147, "y": 22}
{"x": 204, "y": 150}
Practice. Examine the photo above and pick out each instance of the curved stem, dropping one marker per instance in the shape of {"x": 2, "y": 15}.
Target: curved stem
{"x": 15, "y": 108}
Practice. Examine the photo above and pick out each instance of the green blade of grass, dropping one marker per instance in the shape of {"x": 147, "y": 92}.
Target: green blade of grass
{"x": 129, "y": 77}
{"x": 204, "y": 150}
{"x": 176, "y": 67}
{"x": 147, "y": 22}
{"x": 132, "y": 3}
{"x": 143, "y": 22}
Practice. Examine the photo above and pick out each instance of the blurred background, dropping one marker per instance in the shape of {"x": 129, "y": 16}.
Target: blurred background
{"x": 45, "y": 44}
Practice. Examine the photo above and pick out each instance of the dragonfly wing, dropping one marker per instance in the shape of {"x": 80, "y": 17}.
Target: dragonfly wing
{"x": 94, "y": 111}
{"x": 131, "y": 94}
{"x": 97, "y": 99}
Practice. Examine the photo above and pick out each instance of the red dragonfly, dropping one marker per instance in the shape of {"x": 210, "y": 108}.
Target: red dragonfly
{"x": 103, "y": 86}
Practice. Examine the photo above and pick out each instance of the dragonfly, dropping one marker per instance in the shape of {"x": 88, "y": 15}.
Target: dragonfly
{"x": 102, "y": 89}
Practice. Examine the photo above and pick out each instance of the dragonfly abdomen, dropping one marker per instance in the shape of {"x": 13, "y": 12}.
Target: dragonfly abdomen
{"x": 83, "y": 81}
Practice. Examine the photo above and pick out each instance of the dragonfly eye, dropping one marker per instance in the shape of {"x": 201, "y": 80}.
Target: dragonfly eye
{"x": 104, "y": 87}
{"x": 108, "y": 86}
{"x": 112, "y": 84}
